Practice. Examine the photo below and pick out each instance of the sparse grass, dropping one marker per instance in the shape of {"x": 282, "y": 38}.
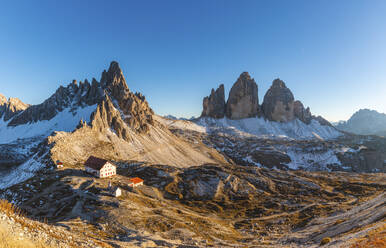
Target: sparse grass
{"x": 375, "y": 239}
{"x": 233, "y": 218}
{"x": 10, "y": 240}
{"x": 9, "y": 209}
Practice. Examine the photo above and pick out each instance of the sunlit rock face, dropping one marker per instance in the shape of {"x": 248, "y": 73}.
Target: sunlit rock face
{"x": 135, "y": 109}
{"x": 11, "y": 107}
{"x": 278, "y": 104}
{"x": 243, "y": 100}
{"x": 303, "y": 114}
{"x": 214, "y": 105}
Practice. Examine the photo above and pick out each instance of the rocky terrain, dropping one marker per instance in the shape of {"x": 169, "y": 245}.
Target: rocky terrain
{"x": 343, "y": 153}
{"x": 365, "y": 122}
{"x": 102, "y": 118}
{"x": 281, "y": 132}
{"x": 19, "y": 231}
{"x": 210, "y": 205}
{"x": 241, "y": 175}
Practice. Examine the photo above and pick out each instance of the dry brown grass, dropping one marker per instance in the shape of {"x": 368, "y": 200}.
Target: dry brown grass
{"x": 12, "y": 211}
{"x": 9, "y": 209}
{"x": 375, "y": 239}
{"x": 10, "y": 240}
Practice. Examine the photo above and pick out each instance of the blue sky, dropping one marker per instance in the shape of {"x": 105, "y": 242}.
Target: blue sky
{"x": 331, "y": 54}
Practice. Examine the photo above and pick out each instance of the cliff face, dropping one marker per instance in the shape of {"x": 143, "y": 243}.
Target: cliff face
{"x": 303, "y": 114}
{"x": 279, "y": 103}
{"x": 243, "y": 100}
{"x": 104, "y": 119}
{"x": 133, "y": 107}
{"x": 135, "y": 110}
{"x": 11, "y": 107}
{"x": 214, "y": 105}
{"x": 73, "y": 96}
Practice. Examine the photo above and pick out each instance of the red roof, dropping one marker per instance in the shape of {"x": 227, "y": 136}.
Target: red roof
{"x": 59, "y": 163}
{"x": 95, "y": 163}
{"x": 136, "y": 180}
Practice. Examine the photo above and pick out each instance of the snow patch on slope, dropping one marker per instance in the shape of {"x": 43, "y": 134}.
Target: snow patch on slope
{"x": 319, "y": 160}
{"x": 63, "y": 121}
{"x": 21, "y": 173}
{"x": 266, "y": 129}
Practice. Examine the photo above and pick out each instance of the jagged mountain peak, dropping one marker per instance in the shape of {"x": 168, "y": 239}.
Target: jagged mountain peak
{"x": 365, "y": 122}
{"x": 243, "y": 100}
{"x": 11, "y": 107}
{"x": 11, "y": 100}
{"x": 133, "y": 107}
{"x": 279, "y": 103}
{"x": 214, "y": 105}
{"x": 245, "y": 76}
{"x": 368, "y": 112}
{"x": 73, "y": 96}
{"x": 3, "y": 99}
{"x": 112, "y": 93}
{"x": 113, "y": 77}
{"x": 278, "y": 83}
{"x": 16, "y": 101}
{"x": 279, "y": 90}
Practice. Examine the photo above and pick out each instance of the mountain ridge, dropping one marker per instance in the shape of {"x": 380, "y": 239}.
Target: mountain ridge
{"x": 279, "y": 103}
{"x": 103, "y": 119}
{"x": 11, "y": 107}
{"x": 365, "y": 122}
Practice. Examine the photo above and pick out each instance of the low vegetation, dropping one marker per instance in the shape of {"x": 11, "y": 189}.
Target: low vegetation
{"x": 9, "y": 209}
{"x": 12, "y": 240}
{"x": 374, "y": 239}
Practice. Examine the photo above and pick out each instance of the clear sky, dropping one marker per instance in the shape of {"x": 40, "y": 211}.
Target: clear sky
{"x": 331, "y": 54}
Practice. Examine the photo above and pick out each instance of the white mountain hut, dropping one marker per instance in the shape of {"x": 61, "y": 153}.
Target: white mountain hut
{"x": 100, "y": 167}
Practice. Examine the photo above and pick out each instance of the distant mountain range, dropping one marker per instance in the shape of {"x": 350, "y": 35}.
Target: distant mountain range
{"x": 364, "y": 122}
{"x": 172, "y": 117}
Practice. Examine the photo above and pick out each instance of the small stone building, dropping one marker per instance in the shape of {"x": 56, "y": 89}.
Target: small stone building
{"x": 100, "y": 167}
{"x": 116, "y": 191}
{"x": 59, "y": 164}
{"x": 135, "y": 182}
